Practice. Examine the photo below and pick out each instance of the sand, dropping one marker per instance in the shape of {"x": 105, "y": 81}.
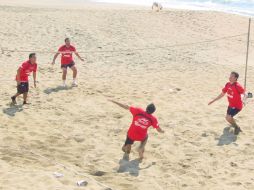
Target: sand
{"x": 79, "y": 133}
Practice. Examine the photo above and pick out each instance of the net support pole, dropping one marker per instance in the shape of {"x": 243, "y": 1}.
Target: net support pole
{"x": 247, "y": 55}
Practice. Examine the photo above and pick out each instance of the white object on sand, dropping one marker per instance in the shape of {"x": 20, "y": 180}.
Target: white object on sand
{"x": 82, "y": 183}
{"x": 58, "y": 175}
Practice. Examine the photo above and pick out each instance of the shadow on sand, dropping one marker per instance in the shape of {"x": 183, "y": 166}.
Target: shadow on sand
{"x": 132, "y": 167}
{"x": 56, "y": 89}
{"x": 13, "y": 109}
{"x": 227, "y": 137}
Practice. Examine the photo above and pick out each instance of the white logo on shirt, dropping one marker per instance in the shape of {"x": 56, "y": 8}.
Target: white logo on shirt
{"x": 142, "y": 122}
{"x": 230, "y": 93}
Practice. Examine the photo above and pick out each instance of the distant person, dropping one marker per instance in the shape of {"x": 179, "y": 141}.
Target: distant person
{"x": 67, "y": 61}
{"x": 157, "y": 7}
{"x": 141, "y": 121}
{"x": 234, "y": 91}
{"x": 23, "y": 72}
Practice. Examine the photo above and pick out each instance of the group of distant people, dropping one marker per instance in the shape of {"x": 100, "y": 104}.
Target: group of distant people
{"x": 142, "y": 119}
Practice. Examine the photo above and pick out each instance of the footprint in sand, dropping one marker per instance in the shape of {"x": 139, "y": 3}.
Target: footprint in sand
{"x": 98, "y": 173}
{"x": 233, "y": 164}
{"x": 79, "y": 139}
{"x": 117, "y": 116}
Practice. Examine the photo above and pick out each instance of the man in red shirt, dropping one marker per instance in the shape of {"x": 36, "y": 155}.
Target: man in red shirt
{"x": 141, "y": 121}
{"x": 67, "y": 60}
{"x": 22, "y": 78}
{"x": 234, "y": 92}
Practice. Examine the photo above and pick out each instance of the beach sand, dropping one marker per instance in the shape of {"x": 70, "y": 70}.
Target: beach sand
{"x": 79, "y": 133}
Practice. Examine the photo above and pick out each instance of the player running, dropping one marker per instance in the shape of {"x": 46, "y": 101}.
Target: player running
{"x": 234, "y": 91}
{"x": 67, "y": 60}
{"x": 23, "y": 72}
{"x": 141, "y": 121}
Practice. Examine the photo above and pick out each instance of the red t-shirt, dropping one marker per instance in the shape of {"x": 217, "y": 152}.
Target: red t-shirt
{"x": 140, "y": 124}
{"x": 234, "y": 92}
{"x": 25, "y": 69}
{"x": 67, "y": 54}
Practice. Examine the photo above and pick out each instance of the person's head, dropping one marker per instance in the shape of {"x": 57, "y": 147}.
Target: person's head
{"x": 67, "y": 41}
{"x": 233, "y": 77}
{"x": 150, "y": 109}
{"x": 32, "y": 58}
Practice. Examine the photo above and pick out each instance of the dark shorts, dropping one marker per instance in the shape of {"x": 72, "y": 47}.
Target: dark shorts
{"x": 130, "y": 141}
{"x": 70, "y": 65}
{"x": 232, "y": 111}
{"x": 23, "y": 87}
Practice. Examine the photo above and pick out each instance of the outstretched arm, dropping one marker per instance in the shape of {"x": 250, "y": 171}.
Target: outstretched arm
{"x": 121, "y": 105}
{"x": 218, "y": 97}
{"x": 54, "y": 59}
{"x": 18, "y": 76}
{"x": 76, "y": 53}
{"x": 160, "y": 130}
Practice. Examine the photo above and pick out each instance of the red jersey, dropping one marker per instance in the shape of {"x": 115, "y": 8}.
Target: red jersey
{"x": 67, "y": 54}
{"x": 25, "y": 69}
{"x": 234, "y": 92}
{"x": 140, "y": 124}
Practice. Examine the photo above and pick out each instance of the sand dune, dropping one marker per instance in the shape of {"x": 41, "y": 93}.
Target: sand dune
{"x": 80, "y": 129}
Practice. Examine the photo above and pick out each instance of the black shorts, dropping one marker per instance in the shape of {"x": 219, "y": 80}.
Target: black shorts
{"x": 23, "y": 87}
{"x": 232, "y": 111}
{"x": 130, "y": 141}
{"x": 70, "y": 65}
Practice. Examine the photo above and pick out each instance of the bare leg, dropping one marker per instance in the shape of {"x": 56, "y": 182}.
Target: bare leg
{"x": 127, "y": 148}
{"x": 64, "y": 74}
{"x": 75, "y": 71}
{"x": 13, "y": 98}
{"x": 231, "y": 120}
{"x": 16, "y": 95}
{"x": 141, "y": 149}
{"x": 25, "y": 97}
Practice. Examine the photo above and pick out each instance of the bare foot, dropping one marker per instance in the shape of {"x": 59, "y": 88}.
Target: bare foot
{"x": 141, "y": 153}
{"x": 124, "y": 149}
{"x": 237, "y": 130}
{"x": 13, "y": 100}
{"x": 74, "y": 85}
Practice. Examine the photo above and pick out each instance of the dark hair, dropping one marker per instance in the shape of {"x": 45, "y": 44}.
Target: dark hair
{"x": 235, "y": 74}
{"x": 150, "y": 108}
{"x": 66, "y": 39}
{"x": 31, "y": 55}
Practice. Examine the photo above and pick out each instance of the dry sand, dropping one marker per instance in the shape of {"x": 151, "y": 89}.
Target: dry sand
{"x": 79, "y": 128}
